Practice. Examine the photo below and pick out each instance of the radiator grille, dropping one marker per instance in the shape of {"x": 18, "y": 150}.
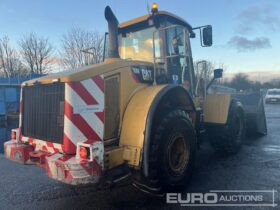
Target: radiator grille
{"x": 43, "y": 112}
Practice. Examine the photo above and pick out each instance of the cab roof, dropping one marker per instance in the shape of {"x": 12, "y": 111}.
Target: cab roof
{"x": 160, "y": 14}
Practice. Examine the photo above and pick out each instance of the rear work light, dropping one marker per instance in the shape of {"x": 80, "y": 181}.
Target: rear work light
{"x": 90, "y": 151}
{"x": 84, "y": 152}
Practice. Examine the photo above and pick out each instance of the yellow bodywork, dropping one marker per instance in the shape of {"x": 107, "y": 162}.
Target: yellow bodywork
{"x": 113, "y": 158}
{"x": 134, "y": 101}
{"x": 109, "y": 67}
{"x": 216, "y": 108}
{"x": 134, "y": 123}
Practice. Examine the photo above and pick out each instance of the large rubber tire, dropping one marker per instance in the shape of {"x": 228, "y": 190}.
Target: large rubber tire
{"x": 172, "y": 152}
{"x": 227, "y": 139}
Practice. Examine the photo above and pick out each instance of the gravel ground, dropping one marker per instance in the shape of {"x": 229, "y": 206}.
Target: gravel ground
{"x": 256, "y": 167}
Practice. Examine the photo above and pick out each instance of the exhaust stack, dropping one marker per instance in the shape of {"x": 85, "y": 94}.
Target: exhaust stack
{"x": 113, "y": 33}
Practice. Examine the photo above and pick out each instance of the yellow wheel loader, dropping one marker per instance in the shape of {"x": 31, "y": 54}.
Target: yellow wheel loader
{"x": 137, "y": 114}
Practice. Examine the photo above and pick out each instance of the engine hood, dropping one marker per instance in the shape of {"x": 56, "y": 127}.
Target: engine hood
{"x": 84, "y": 72}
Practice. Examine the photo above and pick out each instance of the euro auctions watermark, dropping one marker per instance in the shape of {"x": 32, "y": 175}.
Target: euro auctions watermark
{"x": 253, "y": 198}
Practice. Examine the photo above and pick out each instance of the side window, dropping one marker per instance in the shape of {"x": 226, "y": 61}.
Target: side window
{"x": 175, "y": 53}
{"x": 173, "y": 66}
{"x": 175, "y": 41}
{"x": 178, "y": 55}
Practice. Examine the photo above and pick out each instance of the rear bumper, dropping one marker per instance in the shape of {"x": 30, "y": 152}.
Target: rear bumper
{"x": 65, "y": 168}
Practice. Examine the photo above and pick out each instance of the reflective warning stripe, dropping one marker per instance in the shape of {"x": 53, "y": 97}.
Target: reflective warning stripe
{"x": 84, "y": 110}
{"x": 46, "y": 146}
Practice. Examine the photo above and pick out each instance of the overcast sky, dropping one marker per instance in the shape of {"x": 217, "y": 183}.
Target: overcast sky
{"x": 246, "y": 32}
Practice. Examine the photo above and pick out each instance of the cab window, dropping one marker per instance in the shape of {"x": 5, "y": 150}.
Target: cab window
{"x": 139, "y": 45}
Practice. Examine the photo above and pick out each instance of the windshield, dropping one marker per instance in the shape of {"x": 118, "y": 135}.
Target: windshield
{"x": 273, "y": 92}
{"x": 139, "y": 45}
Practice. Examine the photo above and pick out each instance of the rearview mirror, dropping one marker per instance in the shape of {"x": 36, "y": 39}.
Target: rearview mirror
{"x": 218, "y": 73}
{"x": 207, "y": 37}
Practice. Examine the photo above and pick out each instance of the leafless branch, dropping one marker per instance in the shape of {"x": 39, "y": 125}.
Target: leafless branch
{"x": 81, "y": 48}
{"x": 36, "y": 53}
{"x": 10, "y": 64}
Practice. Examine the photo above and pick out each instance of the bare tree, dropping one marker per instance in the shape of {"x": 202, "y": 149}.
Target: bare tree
{"x": 10, "y": 64}
{"x": 36, "y": 53}
{"x": 81, "y": 47}
{"x": 204, "y": 69}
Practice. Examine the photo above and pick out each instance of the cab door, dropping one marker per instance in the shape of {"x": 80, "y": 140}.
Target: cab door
{"x": 176, "y": 58}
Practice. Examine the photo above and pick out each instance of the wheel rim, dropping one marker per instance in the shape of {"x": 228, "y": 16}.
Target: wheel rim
{"x": 178, "y": 154}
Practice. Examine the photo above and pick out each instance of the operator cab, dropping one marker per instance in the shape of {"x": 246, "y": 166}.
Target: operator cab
{"x": 162, "y": 39}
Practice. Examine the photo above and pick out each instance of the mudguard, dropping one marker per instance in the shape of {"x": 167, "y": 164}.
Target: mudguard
{"x": 134, "y": 123}
{"x": 138, "y": 117}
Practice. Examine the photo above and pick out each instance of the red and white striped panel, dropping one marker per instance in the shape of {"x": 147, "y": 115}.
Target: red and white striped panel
{"x": 83, "y": 112}
{"x": 69, "y": 169}
{"x": 43, "y": 145}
